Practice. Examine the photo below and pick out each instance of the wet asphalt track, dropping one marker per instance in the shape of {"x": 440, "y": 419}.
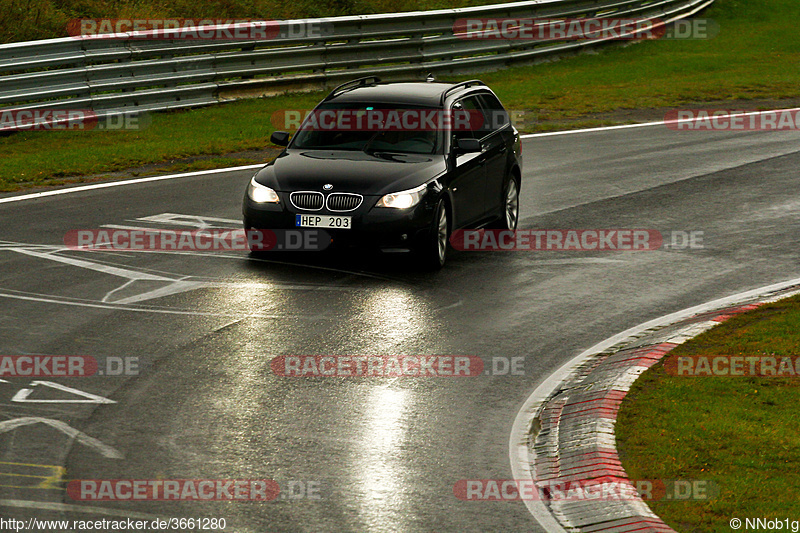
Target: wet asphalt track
{"x": 383, "y": 453}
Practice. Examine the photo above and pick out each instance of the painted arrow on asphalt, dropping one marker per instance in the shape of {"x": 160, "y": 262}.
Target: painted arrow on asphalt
{"x": 104, "y": 449}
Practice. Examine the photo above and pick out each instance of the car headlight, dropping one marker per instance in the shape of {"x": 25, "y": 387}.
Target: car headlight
{"x": 261, "y": 194}
{"x": 403, "y": 199}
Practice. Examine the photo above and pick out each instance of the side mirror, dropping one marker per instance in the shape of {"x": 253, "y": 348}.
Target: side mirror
{"x": 466, "y": 146}
{"x": 281, "y": 138}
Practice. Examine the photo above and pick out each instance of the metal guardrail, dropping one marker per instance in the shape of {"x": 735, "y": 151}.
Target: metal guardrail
{"x": 127, "y": 73}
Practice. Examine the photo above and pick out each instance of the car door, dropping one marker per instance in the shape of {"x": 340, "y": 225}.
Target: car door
{"x": 468, "y": 185}
{"x": 496, "y": 146}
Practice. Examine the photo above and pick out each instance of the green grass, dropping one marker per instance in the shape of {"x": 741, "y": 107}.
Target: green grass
{"x": 755, "y": 56}
{"x": 28, "y": 20}
{"x": 741, "y": 433}
{"x": 30, "y": 159}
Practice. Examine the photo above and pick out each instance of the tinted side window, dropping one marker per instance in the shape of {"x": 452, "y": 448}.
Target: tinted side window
{"x": 495, "y": 114}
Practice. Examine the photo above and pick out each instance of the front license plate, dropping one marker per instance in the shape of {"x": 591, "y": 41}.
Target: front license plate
{"x": 322, "y": 221}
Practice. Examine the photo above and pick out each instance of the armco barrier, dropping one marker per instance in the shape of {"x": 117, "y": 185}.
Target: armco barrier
{"x": 132, "y": 73}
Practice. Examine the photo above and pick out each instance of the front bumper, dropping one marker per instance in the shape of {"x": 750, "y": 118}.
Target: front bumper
{"x": 382, "y": 228}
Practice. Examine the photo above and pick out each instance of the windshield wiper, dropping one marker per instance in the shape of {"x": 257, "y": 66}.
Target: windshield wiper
{"x": 370, "y": 140}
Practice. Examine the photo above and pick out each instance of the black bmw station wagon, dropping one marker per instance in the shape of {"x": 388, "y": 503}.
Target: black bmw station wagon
{"x": 397, "y": 166}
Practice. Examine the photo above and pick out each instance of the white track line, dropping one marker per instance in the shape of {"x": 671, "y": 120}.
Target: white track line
{"x": 78, "y": 436}
{"x": 517, "y": 444}
{"x": 95, "y": 186}
{"x": 647, "y": 124}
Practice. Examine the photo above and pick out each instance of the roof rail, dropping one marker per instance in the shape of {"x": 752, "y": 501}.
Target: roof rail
{"x": 462, "y": 85}
{"x": 350, "y": 85}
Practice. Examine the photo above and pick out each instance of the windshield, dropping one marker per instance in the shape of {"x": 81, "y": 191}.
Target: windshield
{"x": 372, "y": 128}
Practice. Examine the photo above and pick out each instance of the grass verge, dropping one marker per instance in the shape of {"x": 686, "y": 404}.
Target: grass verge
{"x": 754, "y": 57}
{"x": 28, "y": 20}
{"x": 741, "y": 433}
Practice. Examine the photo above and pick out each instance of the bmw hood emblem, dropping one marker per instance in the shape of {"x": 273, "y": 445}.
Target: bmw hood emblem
{"x": 327, "y": 187}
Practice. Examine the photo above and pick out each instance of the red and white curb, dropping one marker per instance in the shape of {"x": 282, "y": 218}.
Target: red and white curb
{"x": 564, "y": 434}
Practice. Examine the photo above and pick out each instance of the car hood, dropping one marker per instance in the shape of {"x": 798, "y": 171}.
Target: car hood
{"x": 349, "y": 171}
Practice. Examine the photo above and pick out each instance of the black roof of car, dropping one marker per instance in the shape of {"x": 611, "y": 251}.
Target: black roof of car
{"x": 423, "y": 94}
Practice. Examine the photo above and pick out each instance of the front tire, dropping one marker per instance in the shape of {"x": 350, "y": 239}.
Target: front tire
{"x": 510, "y": 216}
{"x": 433, "y": 251}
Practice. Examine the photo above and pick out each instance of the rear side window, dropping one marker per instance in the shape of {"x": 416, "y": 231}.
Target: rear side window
{"x": 495, "y": 114}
